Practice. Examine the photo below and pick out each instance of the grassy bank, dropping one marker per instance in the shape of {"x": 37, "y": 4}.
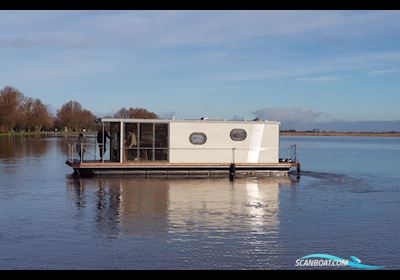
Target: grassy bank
{"x": 23, "y": 133}
{"x": 45, "y": 133}
{"x": 378, "y": 134}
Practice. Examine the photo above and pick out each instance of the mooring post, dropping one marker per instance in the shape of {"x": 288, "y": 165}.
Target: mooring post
{"x": 232, "y": 170}
{"x": 298, "y": 170}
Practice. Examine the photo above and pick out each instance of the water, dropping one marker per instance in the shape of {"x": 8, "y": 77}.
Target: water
{"x": 346, "y": 203}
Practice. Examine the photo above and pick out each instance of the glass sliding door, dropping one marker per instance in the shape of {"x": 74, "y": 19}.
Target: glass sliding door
{"x": 115, "y": 128}
{"x": 131, "y": 149}
{"x": 161, "y": 142}
{"x": 146, "y": 142}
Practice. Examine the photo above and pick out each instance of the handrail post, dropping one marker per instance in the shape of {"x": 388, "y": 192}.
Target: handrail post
{"x": 94, "y": 153}
{"x": 102, "y": 145}
{"x": 295, "y": 152}
{"x": 121, "y": 142}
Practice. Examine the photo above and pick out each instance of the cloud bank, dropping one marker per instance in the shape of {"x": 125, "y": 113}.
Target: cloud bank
{"x": 287, "y": 114}
{"x": 303, "y": 119}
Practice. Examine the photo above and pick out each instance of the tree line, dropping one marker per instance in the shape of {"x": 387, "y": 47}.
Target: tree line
{"x": 21, "y": 113}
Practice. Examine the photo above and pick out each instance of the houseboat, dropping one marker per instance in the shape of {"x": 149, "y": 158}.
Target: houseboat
{"x": 184, "y": 148}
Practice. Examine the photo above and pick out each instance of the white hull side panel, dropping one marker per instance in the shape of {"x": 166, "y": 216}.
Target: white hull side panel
{"x": 256, "y": 138}
{"x": 260, "y": 146}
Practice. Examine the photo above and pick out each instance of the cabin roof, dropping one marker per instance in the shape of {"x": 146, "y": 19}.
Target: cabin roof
{"x": 186, "y": 121}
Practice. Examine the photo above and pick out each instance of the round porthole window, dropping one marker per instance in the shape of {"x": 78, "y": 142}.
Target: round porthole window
{"x": 238, "y": 134}
{"x": 197, "y": 138}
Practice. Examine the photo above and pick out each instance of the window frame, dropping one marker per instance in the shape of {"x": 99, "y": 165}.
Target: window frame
{"x": 237, "y": 139}
{"x": 198, "y": 133}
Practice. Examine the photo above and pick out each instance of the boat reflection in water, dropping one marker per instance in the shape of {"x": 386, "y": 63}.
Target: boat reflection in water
{"x": 143, "y": 207}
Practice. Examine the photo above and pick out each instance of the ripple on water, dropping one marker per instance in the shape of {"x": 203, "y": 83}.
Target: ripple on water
{"x": 52, "y": 220}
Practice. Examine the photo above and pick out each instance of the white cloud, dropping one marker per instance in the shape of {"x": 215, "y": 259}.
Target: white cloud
{"x": 157, "y": 29}
{"x": 383, "y": 71}
{"x": 287, "y": 114}
{"x": 319, "y": 79}
{"x": 302, "y": 119}
{"x": 317, "y": 69}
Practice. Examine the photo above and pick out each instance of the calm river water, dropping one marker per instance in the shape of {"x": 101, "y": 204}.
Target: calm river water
{"x": 346, "y": 203}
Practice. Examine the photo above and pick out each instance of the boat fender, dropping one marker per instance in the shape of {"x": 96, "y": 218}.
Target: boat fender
{"x": 232, "y": 170}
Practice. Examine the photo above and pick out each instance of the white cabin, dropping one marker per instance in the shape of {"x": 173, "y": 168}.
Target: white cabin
{"x": 193, "y": 141}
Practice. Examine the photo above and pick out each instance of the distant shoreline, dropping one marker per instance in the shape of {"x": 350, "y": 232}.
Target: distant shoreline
{"x": 366, "y": 134}
{"x": 282, "y": 133}
{"x": 47, "y": 133}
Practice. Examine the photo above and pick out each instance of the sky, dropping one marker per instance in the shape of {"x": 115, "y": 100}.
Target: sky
{"x": 307, "y": 69}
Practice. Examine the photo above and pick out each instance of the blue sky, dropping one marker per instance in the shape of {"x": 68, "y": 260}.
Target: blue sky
{"x": 294, "y": 66}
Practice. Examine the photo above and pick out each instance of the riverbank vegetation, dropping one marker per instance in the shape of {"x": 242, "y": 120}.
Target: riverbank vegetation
{"x": 21, "y": 115}
{"x": 333, "y": 133}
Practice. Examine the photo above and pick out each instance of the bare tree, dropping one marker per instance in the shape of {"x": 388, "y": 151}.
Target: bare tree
{"x": 73, "y": 116}
{"x": 10, "y": 102}
{"x": 87, "y": 119}
{"x": 68, "y": 114}
{"x": 122, "y": 113}
{"x": 17, "y": 111}
{"x": 36, "y": 115}
{"x": 135, "y": 113}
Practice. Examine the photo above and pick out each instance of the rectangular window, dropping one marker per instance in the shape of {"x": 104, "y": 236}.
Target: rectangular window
{"x": 131, "y": 142}
{"x": 115, "y": 143}
{"x": 146, "y": 139}
{"x": 146, "y": 142}
{"x": 161, "y": 142}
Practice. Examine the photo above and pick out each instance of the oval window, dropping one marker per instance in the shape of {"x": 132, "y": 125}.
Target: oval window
{"x": 198, "y": 138}
{"x": 238, "y": 134}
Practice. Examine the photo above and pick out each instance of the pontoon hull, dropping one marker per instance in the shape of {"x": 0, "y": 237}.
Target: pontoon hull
{"x": 166, "y": 170}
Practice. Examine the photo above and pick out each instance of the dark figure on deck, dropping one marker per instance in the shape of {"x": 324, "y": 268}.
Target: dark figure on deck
{"x": 102, "y": 140}
{"x": 80, "y": 146}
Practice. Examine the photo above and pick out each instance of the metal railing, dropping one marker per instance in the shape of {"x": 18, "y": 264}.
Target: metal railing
{"x": 291, "y": 154}
{"x": 89, "y": 152}
{"x": 84, "y": 151}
